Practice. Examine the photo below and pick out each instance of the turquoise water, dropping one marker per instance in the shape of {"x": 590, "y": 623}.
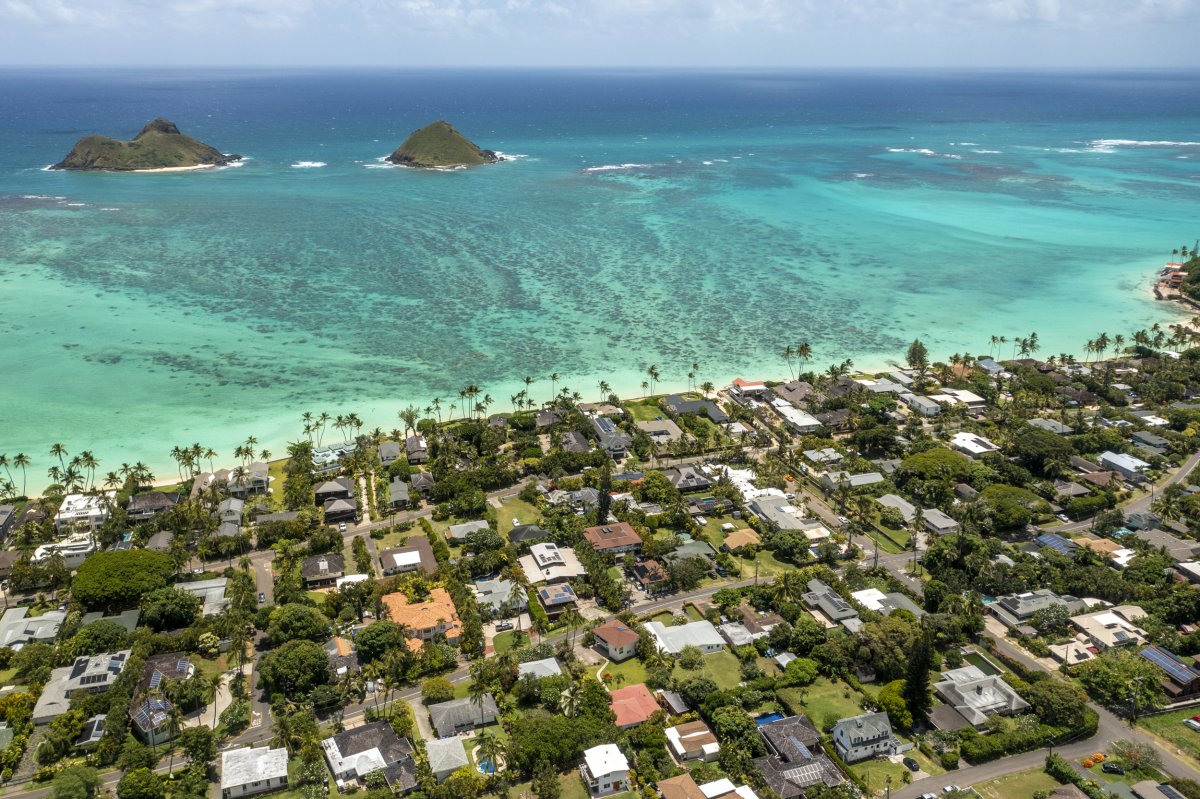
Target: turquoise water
{"x": 664, "y": 218}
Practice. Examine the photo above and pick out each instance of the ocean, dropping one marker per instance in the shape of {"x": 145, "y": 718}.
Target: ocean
{"x": 645, "y": 217}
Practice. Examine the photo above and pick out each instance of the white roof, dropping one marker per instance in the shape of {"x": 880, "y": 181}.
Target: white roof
{"x": 724, "y": 786}
{"x": 972, "y": 444}
{"x": 244, "y": 766}
{"x": 546, "y": 667}
{"x": 697, "y": 633}
{"x": 870, "y": 598}
{"x": 1125, "y": 461}
{"x": 605, "y": 759}
{"x": 352, "y": 578}
{"x": 406, "y": 558}
{"x": 906, "y": 508}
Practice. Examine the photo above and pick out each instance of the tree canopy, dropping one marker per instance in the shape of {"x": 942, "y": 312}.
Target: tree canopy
{"x": 109, "y": 580}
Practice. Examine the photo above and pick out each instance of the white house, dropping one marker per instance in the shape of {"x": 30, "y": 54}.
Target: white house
{"x": 74, "y": 550}
{"x": 1127, "y": 466}
{"x": 247, "y": 771}
{"x": 83, "y": 512}
{"x": 700, "y": 634}
{"x": 860, "y": 737}
{"x": 972, "y": 444}
{"x": 605, "y": 770}
{"x": 446, "y": 756}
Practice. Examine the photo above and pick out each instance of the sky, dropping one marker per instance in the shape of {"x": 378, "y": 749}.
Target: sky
{"x": 1062, "y": 34}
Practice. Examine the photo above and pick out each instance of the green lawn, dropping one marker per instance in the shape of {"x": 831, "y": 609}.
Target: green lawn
{"x": 570, "y": 787}
{"x": 632, "y": 670}
{"x": 519, "y": 509}
{"x": 1129, "y": 777}
{"x": 1170, "y": 727}
{"x": 644, "y": 410}
{"x": 720, "y": 667}
{"x": 822, "y": 700}
{"x": 875, "y": 773}
{"x": 503, "y": 641}
{"x": 276, "y": 475}
{"x": 1017, "y": 786}
{"x": 692, "y": 612}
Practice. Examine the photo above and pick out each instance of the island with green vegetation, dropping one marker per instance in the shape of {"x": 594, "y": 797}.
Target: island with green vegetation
{"x": 160, "y": 146}
{"x": 439, "y": 145}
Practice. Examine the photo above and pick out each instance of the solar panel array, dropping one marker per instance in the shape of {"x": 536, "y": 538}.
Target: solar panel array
{"x": 1170, "y": 792}
{"x": 152, "y": 714}
{"x": 156, "y": 679}
{"x": 1177, "y": 671}
{"x": 1057, "y": 543}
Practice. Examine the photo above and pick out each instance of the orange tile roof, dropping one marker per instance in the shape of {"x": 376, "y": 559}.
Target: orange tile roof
{"x": 740, "y": 383}
{"x": 1105, "y": 546}
{"x": 344, "y": 647}
{"x": 633, "y": 704}
{"x": 616, "y": 634}
{"x": 424, "y": 615}
{"x": 682, "y": 787}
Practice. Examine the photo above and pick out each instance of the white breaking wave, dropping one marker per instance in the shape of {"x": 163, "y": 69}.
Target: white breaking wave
{"x": 615, "y": 167}
{"x": 925, "y": 151}
{"x": 861, "y": 175}
{"x": 309, "y": 165}
{"x": 509, "y": 156}
{"x": 707, "y": 163}
{"x": 987, "y": 152}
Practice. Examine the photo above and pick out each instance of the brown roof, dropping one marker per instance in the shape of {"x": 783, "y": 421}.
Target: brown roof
{"x": 681, "y": 787}
{"x": 616, "y": 634}
{"x": 742, "y": 538}
{"x": 424, "y": 615}
{"x": 1105, "y": 546}
{"x": 694, "y": 735}
{"x": 612, "y": 536}
{"x": 1098, "y": 478}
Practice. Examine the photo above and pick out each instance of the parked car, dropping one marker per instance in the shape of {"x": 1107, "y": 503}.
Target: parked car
{"x": 504, "y": 626}
{"x": 1195, "y": 725}
{"x": 929, "y": 796}
{"x": 1062, "y": 517}
{"x": 262, "y": 597}
{"x": 951, "y": 789}
{"x": 1111, "y": 768}
{"x": 911, "y": 764}
{"x": 843, "y": 520}
{"x": 342, "y": 527}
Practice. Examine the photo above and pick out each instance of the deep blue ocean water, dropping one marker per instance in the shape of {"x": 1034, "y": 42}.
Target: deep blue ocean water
{"x": 652, "y": 217}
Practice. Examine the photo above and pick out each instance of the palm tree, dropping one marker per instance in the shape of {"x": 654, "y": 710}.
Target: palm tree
{"x": 478, "y": 689}
{"x": 573, "y": 621}
{"x": 569, "y": 700}
{"x": 21, "y": 461}
{"x": 788, "y": 587}
{"x": 60, "y": 452}
{"x": 491, "y": 748}
{"x": 788, "y": 353}
{"x": 605, "y": 390}
{"x": 804, "y": 352}
{"x": 653, "y": 374}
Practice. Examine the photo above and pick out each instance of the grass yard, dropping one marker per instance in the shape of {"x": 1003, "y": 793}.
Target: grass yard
{"x": 644, "y": 410}
{"x": 822, "y": 700}
{"x": 1017, "y": 786}
{"x": 275, "y": 477}
{"x": 519, "y": 509}
{"x": 876, "y": 772}
{"x": 692, "y": 612}
{"x": 720, "y": 667}
{"x": 1129, "y": 777}
{"x": 632, "y": 670}
{"x": 1170, "y": 727}
{"x": 211, "y": 666}
{"x": 570, "y": 787}
{"x": 503, "y": 641}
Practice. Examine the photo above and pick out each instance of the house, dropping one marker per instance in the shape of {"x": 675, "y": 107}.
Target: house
{"x": 247, "y": 771}
{"x": 248, "y": 480}
{"x": 678, "y": 406}
{"x": 796, "y": 392}
{"x": 1071, "y": 653}
{"x": 145, "y": 506}
{"x": 1146, "y": 789}
{"x": 1180, "y": 677}
{"x": 747, "y": 389}
{"x": 1149, "y": 439}
{"x": 876, "y": 600}
{"x": 527, "y": 533}
{"x": 660, "y": 431}
{"x": 823, "y": 599}
{"x": 211, "y": 594}
{"x": 341, "y": 510}
{"x": 445, "y": 757}
{"x": 389, "y": 452}
{"x": 972, "y": 445}
{"x": 695, "y": 548}
{"x": 632, "y": 705}
{"x": 651, "y": 576}
{"x": 459, "y": 715}
{"x": 777, "y": 511}
{"x": 416, "y": 449}
{"x": 359, "y": 751}
{"x": 8, "y": 559}
{"x": 823, "y": 457}
{"x": 906, "y": 509}
{"x": 89, "y": 738}
{"x": 1113, "y": 627}
{"x": 1052, "y": 426}
{"x": 795, "y": 761}
{"x": 555, "y": 599}
{"x": 398, "y": 494}
{"x": 976, "y": 696}
{"x": 83, "y": 512}
{"x": 799, "y": 421}
{"x": 605, "y": 770}
{"x": 150, "y": 710}
{"x": 1069, "y": 490}
{"x": 1143, "y": 520}
{"x": 1015, "y": 610}
{"x": 1127, "y": 466}
{"x": 613, "y": 440}
{"x": 687, "y": 478}
{"x": 550, "y": 563}
{"x": 546, "y": 667}
{"x": 684, "y": 787}
{"x": 322, "y": 570}
{"x": 616, "y": 640}
{"x": 692, "y": 740}
{"x": 73, "y": 550}
{"x": 575, "y": 441}
{"x": 938, "y": 522}
{"x": 837, "y": 420}
{"x": 831, "y": 481}
{"x": 700, "y": 634}
{"x": 921, "y": 405}
{"x": 337, "y": 488}
{"x": 17, "y": 627}
{"x": 459, "y": 532}
{"x": 613, "y": 539}
{"x": 94, "y": 674}
{"x": 861, "y": 737}
{"x": 8, "y": 519}
{"x": 416, "y": 553}
{"x": 422, "y": 482}
{"x": 424, "y": 621}
{"x": 961, "y": 396}
{"x": 500, "y": 597}
{"x": 1178, "y": 548}
{"x": 343, "y": 656}
{"x": 230, "y": 510}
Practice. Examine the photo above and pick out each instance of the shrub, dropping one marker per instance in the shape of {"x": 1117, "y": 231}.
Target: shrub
{"x": 949, "y": 759}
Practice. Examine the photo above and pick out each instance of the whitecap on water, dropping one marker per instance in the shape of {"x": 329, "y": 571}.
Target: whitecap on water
{"x": 309, "y": 165}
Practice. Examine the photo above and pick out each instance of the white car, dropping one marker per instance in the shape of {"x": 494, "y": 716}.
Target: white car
{"x": 843, "y": 520}
{"x": 951, "y": 789}
{"x": 1062, "y": 517}
{"x": 1195, "y": 725}
{"x": 929, "y": 796}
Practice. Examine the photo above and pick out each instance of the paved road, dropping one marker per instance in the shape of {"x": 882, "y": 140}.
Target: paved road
{"x": 1142, "y": 504}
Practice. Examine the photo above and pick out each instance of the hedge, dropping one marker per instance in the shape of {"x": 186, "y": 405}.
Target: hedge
{"x": 1058, "y": 768}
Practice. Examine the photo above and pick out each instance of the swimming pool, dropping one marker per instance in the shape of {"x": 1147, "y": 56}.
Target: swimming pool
{"x": 767, "y": 718}
{"x": 980, "y": 662}
{"x": 486, "y": 766}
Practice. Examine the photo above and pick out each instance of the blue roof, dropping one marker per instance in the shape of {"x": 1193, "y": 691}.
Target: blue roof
{"x": 1057, "y": 543}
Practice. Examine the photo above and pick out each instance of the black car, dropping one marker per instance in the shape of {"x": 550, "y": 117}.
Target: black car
{"x": 911, "y": 764}
{"x": 503, "y": 627}
{"x": 1111, "y": 768}
{"x": 262, "y": 597}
